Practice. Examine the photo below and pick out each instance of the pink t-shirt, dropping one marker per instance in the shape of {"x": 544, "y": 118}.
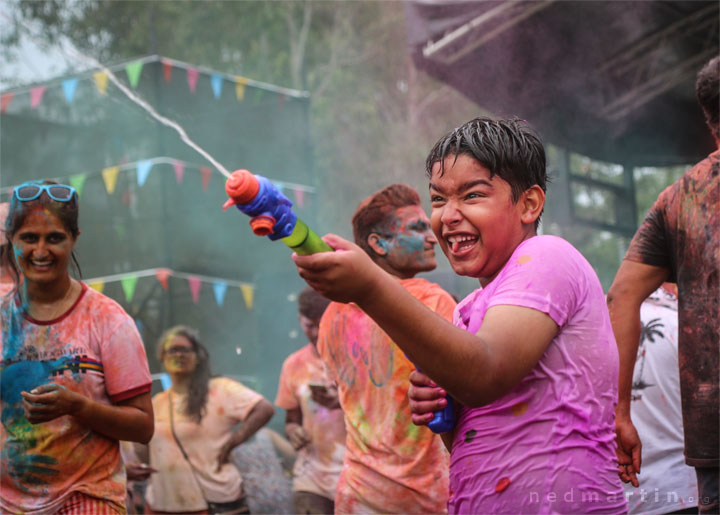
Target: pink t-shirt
{"x": 319, "y": 463}
{"x": 391, "y": 465}
{"x": 178, "y": 487}
{"x": 93, "y": 349}
{"x": 548, "y": 446}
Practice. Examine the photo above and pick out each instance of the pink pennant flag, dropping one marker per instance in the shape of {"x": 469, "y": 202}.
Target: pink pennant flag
{"x": 299, "y": 197}
{"x": 167, "y": 70}
{"x": 179, "y": 168}
{"x": 162, "y": 275}
{"x": 127, "y": 198}
{"x": 192, "y": 77}
{"x": 5, "y": 101}
{"x": 195, "y": 286}
{"x": 36, "y": 95}
{"x": 206, "y": 174}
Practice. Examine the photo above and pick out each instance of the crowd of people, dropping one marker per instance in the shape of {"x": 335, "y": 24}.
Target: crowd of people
{"x": 553, "y": 385}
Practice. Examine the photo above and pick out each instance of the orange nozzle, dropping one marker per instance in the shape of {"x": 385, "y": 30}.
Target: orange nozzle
{"x": 262, "y": 225}
{"x": 242, "y": 187}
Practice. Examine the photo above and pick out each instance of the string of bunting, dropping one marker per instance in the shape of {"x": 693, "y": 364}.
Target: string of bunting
{"x": 145, "y": 166}
{"x": 133, "y": 71}
{"x": 129, "y": 281}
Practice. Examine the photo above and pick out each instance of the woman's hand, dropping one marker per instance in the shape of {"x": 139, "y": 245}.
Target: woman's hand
{"x": 50, "y": 401}
{"x": 426, "y": 398}
{"x": 346, "y": 275}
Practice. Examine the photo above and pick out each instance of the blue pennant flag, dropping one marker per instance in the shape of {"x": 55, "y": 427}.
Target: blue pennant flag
{"x": 143, "y": 170}
{"x": 216, "y": 82}
{"x": 69, "y": 86}
{"x": 219, "y": 288}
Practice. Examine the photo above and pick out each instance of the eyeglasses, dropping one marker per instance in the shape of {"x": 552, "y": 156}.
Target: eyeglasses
{"x": 175, "y": 351}
{"x": 30, "y": 191}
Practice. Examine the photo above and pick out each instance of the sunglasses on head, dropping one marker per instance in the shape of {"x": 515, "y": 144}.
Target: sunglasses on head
{"x": 30, "y": 191}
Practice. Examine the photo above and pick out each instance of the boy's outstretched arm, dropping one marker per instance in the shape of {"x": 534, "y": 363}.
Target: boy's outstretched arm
{"x": 476, "y": 369}
{"x": 633, "y": 283}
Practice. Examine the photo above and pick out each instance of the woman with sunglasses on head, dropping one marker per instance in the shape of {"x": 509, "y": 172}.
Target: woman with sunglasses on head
{"x": 195, "y": 422}
{"x": 75, "y": 378}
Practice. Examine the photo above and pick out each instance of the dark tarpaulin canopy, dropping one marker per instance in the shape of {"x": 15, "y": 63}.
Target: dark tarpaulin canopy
{"x": 613, "y": 80}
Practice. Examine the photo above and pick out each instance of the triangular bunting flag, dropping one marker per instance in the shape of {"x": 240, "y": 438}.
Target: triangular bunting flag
{"x": 195, "y": 286}
{"x": 281, "y": 100}
{"x": 143, "y": 170}
{"x": 120, "y": 231}
{"x": 139, "y": 325}
{"x": 109, "y": 176}
{"x": 36, "y": 95}
{"x": 179, "y": 168}
{"x": 128, "y": 286}
{"x": 5, "y": 101}
{"x": 162, "y": 275}
{"x": 192, "y": 77}
{"x": 77, "y": 181}
{"x": 206, "y": 174}
{"x": 258, "y": 95}
{"x": 299, "y": 197}
{"x": 240, "y": 88}
{"x": 248, "y": 293}
{"x": 101, "y": 81}
{"x": 97, "y": 286}
{"x": 167, "y": 70}
{"x": 69, "y": 86}
{"x": 133, "y": 71}
{"x": 216, "y": 81}
{"x": 219, "y": 288}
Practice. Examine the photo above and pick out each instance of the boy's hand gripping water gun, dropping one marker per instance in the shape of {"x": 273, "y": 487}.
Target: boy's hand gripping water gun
{"x": 443, "y": 420}
{"x": 271, "y": 215}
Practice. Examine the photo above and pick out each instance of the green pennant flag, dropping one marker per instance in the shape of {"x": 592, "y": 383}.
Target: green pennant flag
{"x": 133, "y": 71}
{"x": 128, "y": 286}
{"x": 78, "y": 181}
{"x": 259, "y": 94}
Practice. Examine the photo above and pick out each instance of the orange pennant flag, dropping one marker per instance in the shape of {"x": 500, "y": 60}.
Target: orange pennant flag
{"x": 167, "y": 70}
{"x": 5, "y": 101}
{"x": 109, "y": 176}
{"x": 162, "y": 275}
{"x": 206, "y": 174}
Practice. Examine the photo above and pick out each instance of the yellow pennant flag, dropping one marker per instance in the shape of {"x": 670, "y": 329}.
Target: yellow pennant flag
{"x": 247, "y": 293}
{"x": 110, "y": 178}
{"x": 101, "y": 81}
{"x": 240, "y": 87}
{"x": 97, "y": 286}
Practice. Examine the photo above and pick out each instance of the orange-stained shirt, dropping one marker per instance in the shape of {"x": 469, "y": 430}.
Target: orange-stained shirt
{"x": 176, "y": 486}
{"x": 318, "y": 464}
{"x": 391, "y": 465}
{"x": 93, "y": 349}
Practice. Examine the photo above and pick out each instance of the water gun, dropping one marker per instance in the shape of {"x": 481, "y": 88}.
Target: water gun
{"x": 272, "y": 216}
{"x": 271, "y": 213}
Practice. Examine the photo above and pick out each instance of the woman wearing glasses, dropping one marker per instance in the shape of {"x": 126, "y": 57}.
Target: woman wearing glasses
{"x": 195, "y": 420}
{"x": 75, "y": 377}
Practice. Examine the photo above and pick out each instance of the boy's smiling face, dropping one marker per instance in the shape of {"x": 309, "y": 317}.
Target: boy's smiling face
{"x": 474, "y": 217}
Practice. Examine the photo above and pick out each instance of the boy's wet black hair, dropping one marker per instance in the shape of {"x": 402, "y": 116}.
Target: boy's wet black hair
{"x": 707, "y": 88}
{"x": 510, "y": 149}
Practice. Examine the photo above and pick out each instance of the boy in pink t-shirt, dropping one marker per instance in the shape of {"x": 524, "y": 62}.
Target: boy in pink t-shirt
{"x": 315, "y": 426}
{"x": 531, "y": 362}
